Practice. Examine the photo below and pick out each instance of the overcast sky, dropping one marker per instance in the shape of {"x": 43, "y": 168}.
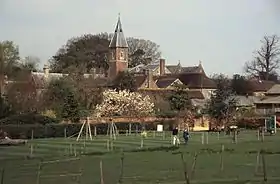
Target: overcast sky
{"x": 221, "y": 33}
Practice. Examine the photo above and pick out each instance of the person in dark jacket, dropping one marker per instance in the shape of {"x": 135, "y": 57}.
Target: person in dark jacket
{"x": 176, "y": 140}
{"x": 186, "y": 136}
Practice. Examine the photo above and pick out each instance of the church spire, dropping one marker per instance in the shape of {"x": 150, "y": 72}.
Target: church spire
{"x": 118, "y": 40}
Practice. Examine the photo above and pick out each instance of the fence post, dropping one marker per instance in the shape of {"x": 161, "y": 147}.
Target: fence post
{"x": 95, "y": 131}
{"x": 264, "y": 166}
{"x": 39, "y": 172}
{"x": 101, "y": 172}
{"x": 142, "y": 142}
{"x": 257, "y": 163}
{"x": 121, "y": 173}
{"x": 2, "y": 175}
{"x": 185, "y": 169}
{"x": 221, "y": 158}
{"x": 202, "y": 138}
{"x": 207, "y": 139}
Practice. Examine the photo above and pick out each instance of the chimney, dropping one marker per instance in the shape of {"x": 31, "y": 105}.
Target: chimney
{"x": 162, "y": 66}
{"x": 46, "y": 70}
{"x": 150, "y": 78}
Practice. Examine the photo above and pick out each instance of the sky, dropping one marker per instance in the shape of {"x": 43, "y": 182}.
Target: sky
{"x": 222, "y": 34}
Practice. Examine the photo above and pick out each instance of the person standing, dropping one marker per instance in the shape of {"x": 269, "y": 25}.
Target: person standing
{"x": 176, "y": 140}
{"x": 186, "y": 136}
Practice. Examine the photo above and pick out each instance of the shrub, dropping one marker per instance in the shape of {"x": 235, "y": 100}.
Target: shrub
{"x": 28, "y": 118}
{"x": 57, "y": 130}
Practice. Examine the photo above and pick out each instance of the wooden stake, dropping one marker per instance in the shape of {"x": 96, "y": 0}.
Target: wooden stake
{"x": 65, "y": 133}
{"x": 126, "y": 133}
{"x": 39, "y": 172}
{"x": 75, "y": 151}
{"x": 129, "y": 129}
{"x": 207, "y": 140}
{"x": 2, "y": 175}
{"x": 221, "y": 158}
{"x": 31, "y": 150}
{"x": 202, "y": 138}
{"x": 257, "y": 163}
{"x": 108, "y": 145}
{"x": 258, "y": 134}
{"x": 264, "y": 166}
{"x": 95, "y": 131}
{"x": 142, "y": 142}
{"x": 185, "y": 169}
{"x": 262, "y": 135}
{"x": 218, "y": 135}
{"x": 101, "y": 172}
{"x": 32, "y": 134}
{"x": 193, "y": 165}
{"x": 121, "y": 173}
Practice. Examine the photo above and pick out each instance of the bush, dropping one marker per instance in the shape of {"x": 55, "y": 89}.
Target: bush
{"x": 28, "y": 118}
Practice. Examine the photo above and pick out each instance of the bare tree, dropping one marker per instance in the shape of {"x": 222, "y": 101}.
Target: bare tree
{"x": 266, "y": 59}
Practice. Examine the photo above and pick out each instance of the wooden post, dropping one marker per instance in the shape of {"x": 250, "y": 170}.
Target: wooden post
{"x": 258, "y": 134}
{"x": 264, "y": 166}
{"x": 185, "y": 169}
{"x": 101, "y": 172}
{"x": 193, "y": 165}
{"x": 2, "y": 175}
{"x": 108, "y": 146}
{"x": 32, "y": 134}
{"x": 163, "y": 135}
{"x": 221, "y": 158}
{"x": 70, "y": 149}
{"x": 218, "y": 135}
{"x": 31, "y": 150}
{"x": 207, "y": 140}
{"x": 65, "y": 133}
{"x": 129, "y": 129}
{"x": 262, "y": 135}
{"x": 39, "y": 172}
{"x": 136, "y": 130}
{"x": 202, "y": 138}
{"x": 154, "y": 134}
{"x": 126, "y": 133}
{"x": 121, "y": 173}
{"x": 235, "y": 136}
{"x": 112, "y": 144}
{"x": 95, "y": 131}
{"x": 75, "y": 150}
{"x": 257, "y": 163}
{"x": 142, "y": 142}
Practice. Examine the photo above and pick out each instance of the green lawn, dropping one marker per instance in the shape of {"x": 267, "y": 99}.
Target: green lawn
{"x": 58, "y": 163}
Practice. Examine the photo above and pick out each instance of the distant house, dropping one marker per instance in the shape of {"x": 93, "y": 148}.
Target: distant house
{"x": 270, "y": 102}
{"x": 259, "y": 87}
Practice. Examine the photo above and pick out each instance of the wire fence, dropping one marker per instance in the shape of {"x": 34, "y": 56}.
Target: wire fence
{"x": 208, "y": 158}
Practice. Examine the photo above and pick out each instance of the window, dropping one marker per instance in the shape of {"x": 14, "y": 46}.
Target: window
{"x": 121, "y": 55}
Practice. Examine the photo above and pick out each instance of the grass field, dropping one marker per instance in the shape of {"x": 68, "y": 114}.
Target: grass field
{"x": 54, "y": 161}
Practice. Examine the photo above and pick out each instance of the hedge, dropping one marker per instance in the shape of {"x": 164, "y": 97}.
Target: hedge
{"x": 58, "y": 130}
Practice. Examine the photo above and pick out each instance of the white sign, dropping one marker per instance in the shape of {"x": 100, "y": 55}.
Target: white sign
{"x": 159, "y": 128}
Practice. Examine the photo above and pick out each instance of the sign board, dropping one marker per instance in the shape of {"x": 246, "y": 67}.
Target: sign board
{"x": 270, "y": 123}
{"x": 159, "y": 128}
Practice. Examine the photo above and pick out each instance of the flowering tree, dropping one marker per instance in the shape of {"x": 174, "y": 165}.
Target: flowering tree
{"x": 124, "y": 103}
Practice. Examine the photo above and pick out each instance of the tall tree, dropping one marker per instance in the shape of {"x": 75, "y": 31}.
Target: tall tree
{"x": 125, "y": 81}
{"x": 266, "y": 59}
{"x": 31, "y": 63}
{"x": 10, "y": 57}
{"x": 221, "y": 106}
{"x": 240, "y": 85}
{"x": 179, "y": 100}
{"x": 81, "y": 53}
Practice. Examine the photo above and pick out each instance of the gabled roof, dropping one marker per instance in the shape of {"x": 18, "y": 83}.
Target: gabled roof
{"x": 197, "y": 80}
{"x": 260, "y": 85}
{"x": 275, "y": 89}
{"x": 269, "y": 100}
{"x": 165, "y": 82}
{"x": 177, "y": 69}
{"x": 246, "y": 100}
{"x": 118, "y": 39}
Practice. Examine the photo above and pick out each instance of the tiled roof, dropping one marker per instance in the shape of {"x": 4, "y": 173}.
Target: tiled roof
{"x": 118, "y": 39}
{"x": 197, "y": 80}
{"x": 275, "y": 89}
{"x": 165, "y": 82}
{"x": 260, "y": 86}
{"x": 246, "y": 100}
{"x": 139, "y": 80}
{"x": 269, "y": 100}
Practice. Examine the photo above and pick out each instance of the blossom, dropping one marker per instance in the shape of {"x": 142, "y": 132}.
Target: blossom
{"x": 124, "y": 103}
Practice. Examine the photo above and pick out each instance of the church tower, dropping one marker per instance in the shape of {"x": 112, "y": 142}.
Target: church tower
{"x": 118, "y": 58}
